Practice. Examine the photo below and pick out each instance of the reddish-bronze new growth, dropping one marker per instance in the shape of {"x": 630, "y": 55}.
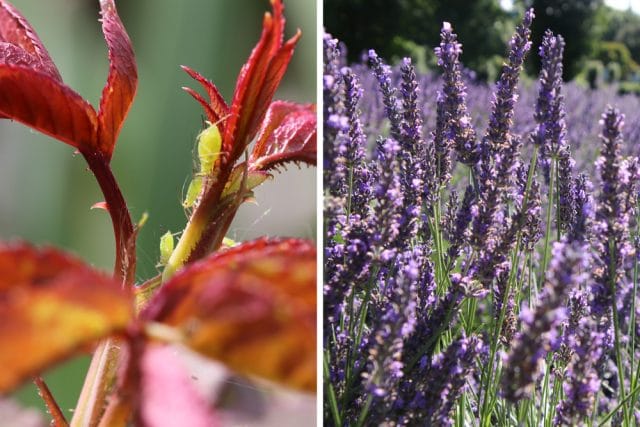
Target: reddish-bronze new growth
{"x": 251, "y": 306}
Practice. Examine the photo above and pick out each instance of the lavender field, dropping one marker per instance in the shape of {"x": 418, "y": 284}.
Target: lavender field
{"x": 481, "y": 243}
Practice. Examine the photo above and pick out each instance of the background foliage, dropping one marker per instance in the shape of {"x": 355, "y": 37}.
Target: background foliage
{"x": 485, "y": 26}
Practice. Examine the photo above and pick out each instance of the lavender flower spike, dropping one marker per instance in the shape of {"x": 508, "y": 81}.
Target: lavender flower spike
{"x": 447, "y": 378}
{"x": 584, "y": 209}
{"x": 417, "y": 157}
{"x": 355, "y": 150}
{"x": 582, "y": 381}
{"x": 406, "y": 130}
{"x": 458, "y": 125}
{"x": 383, "y": 74}
{"x": 540, "y": 331}
{"x": 497, "y": 136}
{"x": 334, "y": 119}
{"x": 613, "y": 214}
{"x": 551, "y": 131}
{"x": 566, "y": 190}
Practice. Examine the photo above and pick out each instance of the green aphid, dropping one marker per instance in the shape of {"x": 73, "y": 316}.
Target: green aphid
{"x": 251, "y": 181}
{"x": 195, "y": 186}
{"x": 228, "y": 243}
{"x": 209, "y": 145}
{"x": 166, "y": 247}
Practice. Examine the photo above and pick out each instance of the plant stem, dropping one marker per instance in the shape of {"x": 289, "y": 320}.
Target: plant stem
{"x": 58, "y": 419}
{"x": 631, "y": 394}
{"x": 209, "y": 221}
{"x": 632, "y": 323}
{"x": 124, "y": 233}
{"x": 190, "y": 236}
{"x": 330, "y": 391}
{"x": 616, "y": 325}
{"x": 365, "y": 411}
{"x": 103, "y": 370}
{"x": 547, "y": 234}
{"x": 98, "y": 384}
{"x": 486, "y": 406}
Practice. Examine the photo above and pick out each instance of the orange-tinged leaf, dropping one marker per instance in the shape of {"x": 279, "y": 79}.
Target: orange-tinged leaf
{"x": 15, "y": 30}
{"x": 122, "y": 82}
{"x": 251, "y": 306}
{"x": 43, "y": 103}
{"x": 288, "y": 134}
{"x": 50, "y": 306}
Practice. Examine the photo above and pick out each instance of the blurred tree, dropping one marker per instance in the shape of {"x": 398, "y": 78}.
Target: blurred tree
{"x": 616, "y": 54}
{"x": 387, "y": 26}
{"x": 575, "y": 20}
{"x": 623, "y": 27}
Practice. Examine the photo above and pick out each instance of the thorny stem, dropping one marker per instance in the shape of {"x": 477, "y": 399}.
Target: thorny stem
{"x": 209, "y": 221}
{"x": 58, "y": 419}
{"x": 103, "y": 370}
{"x": 124, "y": 233}
{"x": 124, "y": 408}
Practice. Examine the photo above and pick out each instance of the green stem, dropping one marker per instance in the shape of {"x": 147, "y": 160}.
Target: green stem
{"x": 330, "y": 391}
{"x": 360, "y": 320}
{"x": 557, "y": 396}
{"x": 545, "y": 389}
{"x": 365, "y": 411}
{"x": 437, "y": 240}
{"x": 190, "y": 237}
{"x": 632, "y": 322}
{"x": 488, "y": 377}
{"x": 99, "y": 381}
{"x": 547, "y": 234}
{"x": 633, "y": 393}
{"x": 616, "y": 325}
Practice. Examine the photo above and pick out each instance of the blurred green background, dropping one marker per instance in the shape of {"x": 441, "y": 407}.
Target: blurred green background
{"x": 603, "y": 36}
{"x": 46, "y": 191}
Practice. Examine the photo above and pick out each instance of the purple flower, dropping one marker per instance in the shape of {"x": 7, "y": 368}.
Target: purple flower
{"x": 566, "y": 190}
{"x": 459, "y": 234}
{"x": 334, "y": 119}
{"x": 497, "y": 136}
{"x": 383, "y": 75}
{"x": 447, "y": 378}
{"x": 354, "y": 152}
{"x": 550, "y": 134}
{"x": 387, "y": 210}
{"x": 581, "y": 379}
{"x": 457, "y": 123}
{"x": 417, "y": 155}
{"x": 522, "y": 366}
{"x": 407, "y": 130}
{"x": 584, "y": 209}
{"x": 613, "y": 214}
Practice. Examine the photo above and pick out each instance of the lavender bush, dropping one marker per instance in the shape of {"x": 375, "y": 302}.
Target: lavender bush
{"x": 481, "y": 261}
